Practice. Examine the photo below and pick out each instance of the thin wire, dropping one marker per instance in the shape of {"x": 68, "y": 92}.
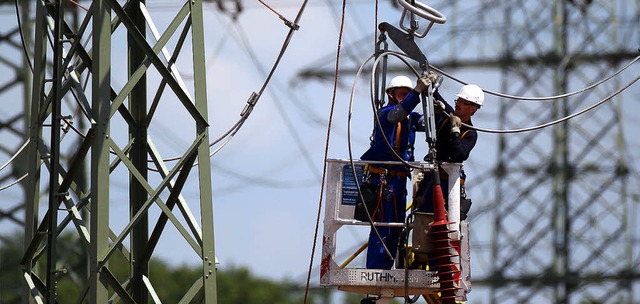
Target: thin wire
{"x": 326, "y": 151}
{"x": 24, "y": 43}
{"x": 15, "y": 155}
{"x": 79, "y": 5}
{"x": 14, "y": 182}
{"x": 271, "y": 9}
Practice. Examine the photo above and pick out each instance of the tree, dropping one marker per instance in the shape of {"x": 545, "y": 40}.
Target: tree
{"x": 235, "y": 284}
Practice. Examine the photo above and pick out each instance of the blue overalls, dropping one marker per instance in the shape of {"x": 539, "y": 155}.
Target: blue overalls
{"x": 401, "y": 136}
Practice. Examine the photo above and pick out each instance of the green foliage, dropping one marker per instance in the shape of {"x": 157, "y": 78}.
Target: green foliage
{"x": 239, "y": 286}
{"x": 10, "y": 286}
{"x": 234, "y": 284}
{"x": 172, "y": 283}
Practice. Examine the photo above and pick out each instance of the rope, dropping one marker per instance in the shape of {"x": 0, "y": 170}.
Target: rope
{"x": 326, "y": 150}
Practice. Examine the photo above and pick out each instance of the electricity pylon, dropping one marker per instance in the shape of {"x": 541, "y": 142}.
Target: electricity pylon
{"x": 13, "y": 123}
{"x": 563, "y": 230}
{"x": 82, "y": 64}
{"x": 554, "y": 220}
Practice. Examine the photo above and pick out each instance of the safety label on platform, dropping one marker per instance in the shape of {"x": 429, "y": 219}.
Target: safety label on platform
{"x": 349, "y": 188}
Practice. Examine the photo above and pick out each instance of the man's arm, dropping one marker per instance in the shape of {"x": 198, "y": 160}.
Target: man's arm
{"x": 460, "y": 148}
{"x": 401, "y": 110}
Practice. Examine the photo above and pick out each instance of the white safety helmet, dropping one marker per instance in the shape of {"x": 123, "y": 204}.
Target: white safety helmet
{"x": 472, "y": 93}
{"x": 399, "y": 82}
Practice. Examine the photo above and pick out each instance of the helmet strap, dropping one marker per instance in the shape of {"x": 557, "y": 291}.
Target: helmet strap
{"x": 392, "y": 97}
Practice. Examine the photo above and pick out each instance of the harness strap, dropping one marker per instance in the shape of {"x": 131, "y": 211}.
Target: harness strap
{"x": 378, "y": 170}
{"x": 398, "y": 130}
{"x": 464, "y": 133}
{"x": 444, "y": 122}
{"x": 442, "y": 125}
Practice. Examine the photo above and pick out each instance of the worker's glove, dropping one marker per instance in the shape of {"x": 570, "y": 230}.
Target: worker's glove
{"x": 433, "y": 76}
{"x": 438, "y": 106}
{"x": 423, "y": 84}
{"x": 456, "y": 123}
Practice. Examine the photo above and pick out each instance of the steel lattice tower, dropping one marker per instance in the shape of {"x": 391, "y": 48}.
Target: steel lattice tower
{"x": 80, "y": 113}
{"x": 13, "y": 122}
{"x": 554, "y": 220}
{"x": 562, "y": 221}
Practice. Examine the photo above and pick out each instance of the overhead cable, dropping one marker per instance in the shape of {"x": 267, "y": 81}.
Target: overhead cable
{"x": 14, "y": 182}
{"x": 401, "y": 55}
{"x": 15, "y": 155}
{"x": 548, "y": 97}
{"x": 292, "y": 25}
{"x": 253, "y": 99}
{"x": 24, "y": 44}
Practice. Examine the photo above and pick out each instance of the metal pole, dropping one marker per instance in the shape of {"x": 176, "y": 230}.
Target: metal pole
{"x": 32, "y": 198}
{"x": 204, "y": 163}
{"x": 138, "y": 155}
{"x": 101, "y": 90}
{"x": 54, "y": 176}
{"x": 560, "y": 161}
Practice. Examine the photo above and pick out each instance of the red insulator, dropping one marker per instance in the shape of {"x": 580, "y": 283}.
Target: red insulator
{"x": 443, "y": 253}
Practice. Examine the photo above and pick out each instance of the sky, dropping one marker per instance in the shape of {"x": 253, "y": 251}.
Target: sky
{"x": 267, "y": 179}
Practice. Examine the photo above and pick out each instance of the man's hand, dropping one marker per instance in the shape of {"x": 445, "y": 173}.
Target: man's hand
{"x": 456, "y": 123}
{"x": 433, "y": 76}
{"x": 438, "y": 106}
{"x": 423, "y": 84}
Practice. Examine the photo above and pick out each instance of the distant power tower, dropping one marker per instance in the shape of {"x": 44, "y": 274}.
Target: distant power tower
{"x": 564, "y": 230}
{"x": 16, "y": 81}
{"x": 555, "y": 220}
{"x": 99, "y": 87}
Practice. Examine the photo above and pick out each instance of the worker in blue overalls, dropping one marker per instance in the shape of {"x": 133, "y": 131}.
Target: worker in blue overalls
{"x": 399, "y": 125}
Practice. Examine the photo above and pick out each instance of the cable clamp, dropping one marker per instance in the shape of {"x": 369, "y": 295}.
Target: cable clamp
{"x": 67, "y": 122}
{"x": 253, "y": 99}
{"x": 290, "y": 24}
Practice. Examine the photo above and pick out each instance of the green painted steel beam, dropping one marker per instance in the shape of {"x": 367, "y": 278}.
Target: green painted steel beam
{"x": 101, "y": 96}
{"x": 204, "y": 162}
{"x": 137, "y": 97}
